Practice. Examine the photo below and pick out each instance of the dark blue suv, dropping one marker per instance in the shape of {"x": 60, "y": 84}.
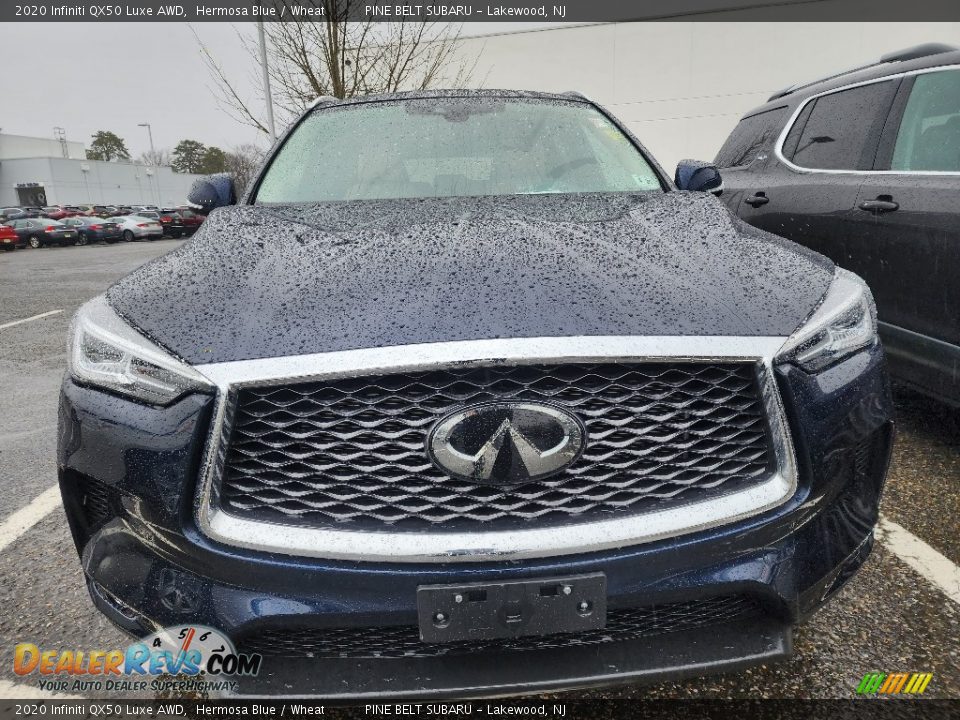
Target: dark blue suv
{"x": 466, "y": 397}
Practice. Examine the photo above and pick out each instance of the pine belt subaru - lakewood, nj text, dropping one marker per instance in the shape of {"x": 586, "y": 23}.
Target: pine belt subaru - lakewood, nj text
{"x": 466, "y": 397}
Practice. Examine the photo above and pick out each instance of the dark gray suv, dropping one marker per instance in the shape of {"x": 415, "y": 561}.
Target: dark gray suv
{"x": 864, "y": 167}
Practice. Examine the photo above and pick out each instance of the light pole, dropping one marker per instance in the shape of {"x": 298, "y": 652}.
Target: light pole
{"x": 150, "y": 134}
{"x": 266, "y": 81}
{"x": 153, "y": 159}
{"x": 85, "y": 170}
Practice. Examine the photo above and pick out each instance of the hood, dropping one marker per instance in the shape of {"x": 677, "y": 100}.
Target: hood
{"x": 273, "y": 281}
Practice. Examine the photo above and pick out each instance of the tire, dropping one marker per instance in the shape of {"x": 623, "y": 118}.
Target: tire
{"x": 82, "y": 239}
{"x": 34, "y": 242}
{"x": 9, "y": 248}
{"x": 128, "y": 235}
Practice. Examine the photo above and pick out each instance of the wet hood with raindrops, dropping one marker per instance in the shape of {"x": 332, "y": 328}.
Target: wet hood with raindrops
{"x": 260, "y": 281}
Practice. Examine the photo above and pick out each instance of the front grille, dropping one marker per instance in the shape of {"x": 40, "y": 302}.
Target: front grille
{"x": 404, "y": 640}
{"x": 351, "y": 453}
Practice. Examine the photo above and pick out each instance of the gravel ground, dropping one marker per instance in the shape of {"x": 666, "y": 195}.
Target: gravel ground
{"x": 888, "y": 618}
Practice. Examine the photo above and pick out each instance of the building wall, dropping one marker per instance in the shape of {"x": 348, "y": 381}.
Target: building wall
{"x": 682, "y": 86}
{"x": 21, "y": 146}
{"x": 93, "y": 182}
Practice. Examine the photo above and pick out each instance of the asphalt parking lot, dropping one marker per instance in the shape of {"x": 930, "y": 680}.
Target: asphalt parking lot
{"x": 900, "y": 613}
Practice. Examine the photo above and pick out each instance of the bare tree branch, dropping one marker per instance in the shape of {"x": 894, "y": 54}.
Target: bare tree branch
{"x": 308, "y": 59}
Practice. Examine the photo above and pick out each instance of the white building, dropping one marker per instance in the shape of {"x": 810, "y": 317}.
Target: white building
{"x": 682, "y": 86}
{"x": 40, "y": 171}
{"x": 22, "y": 146}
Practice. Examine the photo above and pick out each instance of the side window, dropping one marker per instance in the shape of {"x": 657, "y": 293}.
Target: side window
{"x": 929, "y": 134}
{"x": 842, "y": 129}
{"x": 750, "y": 137}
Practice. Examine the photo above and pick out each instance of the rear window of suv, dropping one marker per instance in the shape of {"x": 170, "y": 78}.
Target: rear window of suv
{"x": 748, "y": 139}
{"x": 840, "y": 131}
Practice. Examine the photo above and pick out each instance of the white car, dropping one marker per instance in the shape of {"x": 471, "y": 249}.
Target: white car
{"x": 135, "y": 227}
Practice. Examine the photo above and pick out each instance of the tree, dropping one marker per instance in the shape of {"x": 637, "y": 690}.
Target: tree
{"x": 214, "y": 160}
{"x": 155, "y": 157}
{"x": 188, "y": 156}
{"x": 106, "y": 145}
{"x": 340, "y": 58}
{"x": 242, "y": 162}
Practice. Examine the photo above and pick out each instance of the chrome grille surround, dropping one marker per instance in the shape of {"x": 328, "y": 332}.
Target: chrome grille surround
{"x": 479, "y": 544}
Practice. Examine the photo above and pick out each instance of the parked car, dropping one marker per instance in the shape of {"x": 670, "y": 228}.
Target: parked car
{"x": 6, "y": 213}
{"x": 101, "y": 211}
{"x": 15, "y": 213}
{"x": 192, "y": 220}
{"x": 9, "y": 240}
{"x": 40, "y": 232}
{"x": 480, "y": 407}
{"x": 95, "y": 229}
{"x": 59, "y": 212}
{"x": 864, "y": 167}
{"x": 172, "y": 223}
{"x": 135, "y": 227}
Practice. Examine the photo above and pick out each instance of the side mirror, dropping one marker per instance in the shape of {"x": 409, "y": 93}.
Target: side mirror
{"x": 213, "y": 191}
{"x": 698, "y": 176}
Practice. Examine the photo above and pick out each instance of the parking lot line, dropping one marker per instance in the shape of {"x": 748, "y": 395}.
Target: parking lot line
{"x": 923, "y": 559}
{"x": 32, "y": 317}
{"x": 26, "y": 517}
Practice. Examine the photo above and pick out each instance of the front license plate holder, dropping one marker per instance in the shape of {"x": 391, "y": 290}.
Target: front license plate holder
{"x": 516, "y": 608}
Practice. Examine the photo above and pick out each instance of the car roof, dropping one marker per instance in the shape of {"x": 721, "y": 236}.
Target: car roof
{"x": 918, "y": 57}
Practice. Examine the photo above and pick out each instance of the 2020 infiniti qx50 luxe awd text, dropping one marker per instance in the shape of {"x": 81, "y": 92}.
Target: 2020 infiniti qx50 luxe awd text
{"x": 466, "y": 397}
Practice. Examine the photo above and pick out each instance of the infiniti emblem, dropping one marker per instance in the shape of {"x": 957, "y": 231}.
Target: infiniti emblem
{"x": 506, "y": 442}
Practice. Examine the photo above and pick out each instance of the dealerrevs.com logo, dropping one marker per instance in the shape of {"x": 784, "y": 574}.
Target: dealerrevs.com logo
{"x": 183, "y": 650}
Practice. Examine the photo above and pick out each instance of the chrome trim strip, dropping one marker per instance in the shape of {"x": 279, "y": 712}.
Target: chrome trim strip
{"x": 482, "y": 546}
{"x": 778, "y": 146}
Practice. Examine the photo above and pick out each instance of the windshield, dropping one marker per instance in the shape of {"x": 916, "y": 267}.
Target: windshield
{"x": 445, "y": 147}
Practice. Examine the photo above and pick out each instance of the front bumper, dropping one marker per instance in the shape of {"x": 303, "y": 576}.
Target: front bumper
{"x": 151, "y": 565}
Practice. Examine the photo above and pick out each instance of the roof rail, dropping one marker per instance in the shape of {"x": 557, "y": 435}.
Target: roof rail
{"x": 781, "y": 93}
{"x": 917, "y": 51}
{"x": 911, "y": 53}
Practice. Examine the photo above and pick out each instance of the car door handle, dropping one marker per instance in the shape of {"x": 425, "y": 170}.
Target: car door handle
{"x": 757, "y": 199}
{"x": 879, "y": 205}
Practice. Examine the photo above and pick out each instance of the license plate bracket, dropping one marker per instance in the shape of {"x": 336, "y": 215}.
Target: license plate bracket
{"x": 516, "y": 608}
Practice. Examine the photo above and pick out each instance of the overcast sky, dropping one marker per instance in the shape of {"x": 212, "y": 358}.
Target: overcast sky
{"x": 86, "y": 77}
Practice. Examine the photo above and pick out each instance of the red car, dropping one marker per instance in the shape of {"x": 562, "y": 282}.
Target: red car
{"x": 9, "y": 240}
{"x": 192, "y": 220}
{"x": 59, "y": 212}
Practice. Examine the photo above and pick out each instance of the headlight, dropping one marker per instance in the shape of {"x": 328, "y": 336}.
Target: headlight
{"x": 845, "y": 321}
{"x": 106, "y": 352}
